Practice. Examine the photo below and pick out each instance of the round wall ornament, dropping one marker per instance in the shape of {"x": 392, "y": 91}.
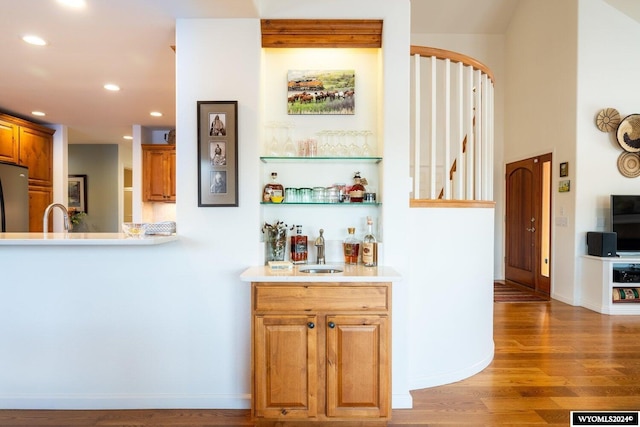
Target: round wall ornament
{"x": 628, "y": 133}
{"x": 608, "y": 119}
{"x": 629, "y": 164}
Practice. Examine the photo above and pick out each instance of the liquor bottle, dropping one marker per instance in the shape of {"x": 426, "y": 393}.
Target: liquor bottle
{"x": 357, "y": 190}
{"x": 369, "y": 246}
{"x": 298, "y": 247}
{"x": 273, "y": 189}
{"x": 351, "y": 247}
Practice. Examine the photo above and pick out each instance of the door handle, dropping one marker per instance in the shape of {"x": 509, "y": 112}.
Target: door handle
{"x": 532, "y": 229}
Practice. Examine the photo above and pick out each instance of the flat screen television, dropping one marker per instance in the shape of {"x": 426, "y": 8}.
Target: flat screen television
{"x": 625, "y": 221}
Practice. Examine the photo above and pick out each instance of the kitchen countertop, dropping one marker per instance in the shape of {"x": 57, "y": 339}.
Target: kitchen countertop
{"x": 351, "y": 273}
{"x": 76, "y": 239}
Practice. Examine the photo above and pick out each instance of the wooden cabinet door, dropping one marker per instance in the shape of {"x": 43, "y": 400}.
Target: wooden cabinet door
{"x": 358, "y": 366}
{"x": 39, "y": 199}
{"x": 8, "y": 142}
{"x": 285, "y": 364}
{"x": 159, "y": 173}
{"x": 36, "y": 152}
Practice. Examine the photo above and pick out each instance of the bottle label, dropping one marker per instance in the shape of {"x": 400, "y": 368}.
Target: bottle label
{"x": 369, "y": 254}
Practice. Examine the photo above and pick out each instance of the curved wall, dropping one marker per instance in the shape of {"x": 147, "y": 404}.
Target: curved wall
{"x": 450, "y": 327}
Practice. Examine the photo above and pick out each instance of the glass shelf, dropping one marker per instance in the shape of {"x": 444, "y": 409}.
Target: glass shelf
{"x": 319, "y": 203}
{"x": 269, "y": 159}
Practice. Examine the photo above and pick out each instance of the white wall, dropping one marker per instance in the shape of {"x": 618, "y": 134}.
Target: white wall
{"x": 540, "y": 105}
{"x": 606, "y": 78}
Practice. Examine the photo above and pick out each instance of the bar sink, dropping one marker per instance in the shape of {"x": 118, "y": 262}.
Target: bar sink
{"x": 320, "y": 269}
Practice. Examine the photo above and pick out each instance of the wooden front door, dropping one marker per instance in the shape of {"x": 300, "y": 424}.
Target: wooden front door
{"x": 527, "y": 228}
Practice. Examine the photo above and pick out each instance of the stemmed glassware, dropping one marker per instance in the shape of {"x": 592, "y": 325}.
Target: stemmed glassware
{"x": 354, "y": 149}
{"x": 273, "y": 146}
{"x": 289, "y": 147}
{"x": 366, "y": 148}
{"x": 341, "y": 149}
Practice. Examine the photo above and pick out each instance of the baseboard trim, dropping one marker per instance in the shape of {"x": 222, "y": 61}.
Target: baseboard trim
{"x": 125, "y": 401}
{"x": 452, "y": 376}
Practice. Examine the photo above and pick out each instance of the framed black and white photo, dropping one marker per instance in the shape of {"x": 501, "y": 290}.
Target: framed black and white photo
{"x": 77, "y": 194}
{"x": 217, "y": 153}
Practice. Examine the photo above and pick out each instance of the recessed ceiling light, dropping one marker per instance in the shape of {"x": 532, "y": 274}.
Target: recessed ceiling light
{"x": 34, "y": 40}
{"x": 127, "y": 137}
{"x": 112, "y": 87}
{"x": 73, "y": 3}
{"x": 38, "y": 113}
{"x": 156, "y": 114}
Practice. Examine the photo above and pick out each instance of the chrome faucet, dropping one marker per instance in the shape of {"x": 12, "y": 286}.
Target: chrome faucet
{"x": 319, "y": 244}
{"x": 47, "y": 211}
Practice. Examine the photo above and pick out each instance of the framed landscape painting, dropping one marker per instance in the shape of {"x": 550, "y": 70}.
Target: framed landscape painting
{"x": 321, "y": 92}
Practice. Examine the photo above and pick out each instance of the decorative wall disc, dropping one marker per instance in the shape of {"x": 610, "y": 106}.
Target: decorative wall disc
{"x": 608, "y": 119}
{"x": 629, "y": 164}
{"x": 628, "y": 133}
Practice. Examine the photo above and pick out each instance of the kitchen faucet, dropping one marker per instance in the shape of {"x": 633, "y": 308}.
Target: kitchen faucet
{"x": 45, "y": 218}
{"x": 319, "y": 244}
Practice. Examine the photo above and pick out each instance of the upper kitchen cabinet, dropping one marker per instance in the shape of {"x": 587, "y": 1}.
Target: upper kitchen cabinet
{"x": 159, "y": 172}
{"x": 29, "y": 144}
{"x": 8, "y": 142}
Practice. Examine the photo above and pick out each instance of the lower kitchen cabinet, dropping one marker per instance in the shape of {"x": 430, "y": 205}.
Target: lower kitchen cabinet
{"x": 321, "y": 352}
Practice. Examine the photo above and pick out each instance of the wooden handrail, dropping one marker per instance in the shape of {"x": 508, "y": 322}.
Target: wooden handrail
{"x": 440, "y": 203}
{"x": 453, "y": 56}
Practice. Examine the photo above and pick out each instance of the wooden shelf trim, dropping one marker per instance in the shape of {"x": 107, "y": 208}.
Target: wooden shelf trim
{"x": 330, "y": 33}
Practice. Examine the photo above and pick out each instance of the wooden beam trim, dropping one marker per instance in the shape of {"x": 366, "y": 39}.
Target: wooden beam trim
{"x": 297, "y": 33}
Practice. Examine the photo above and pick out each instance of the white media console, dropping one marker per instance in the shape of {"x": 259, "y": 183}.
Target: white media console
{"x": 598, "y": 284}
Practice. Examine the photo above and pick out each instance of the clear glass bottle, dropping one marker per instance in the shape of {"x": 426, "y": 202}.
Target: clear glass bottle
{"x": 369, "y": 246}
{"x": 351, "y": 247}
{"x": 298, "y": 247}
{"x": 272, "y": 189}
{"x": 357, "y": 190}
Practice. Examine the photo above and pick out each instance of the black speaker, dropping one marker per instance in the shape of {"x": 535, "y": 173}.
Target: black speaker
{"x": 602, "y": 243}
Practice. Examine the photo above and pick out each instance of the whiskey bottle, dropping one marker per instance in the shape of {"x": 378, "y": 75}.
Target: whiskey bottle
{"x": 298, "y": 247}
{"x": 273, "y": 189}
{"x": 369, "y": 246}
{"x": 357, "y": 190}
{"x": 351, "y": 247}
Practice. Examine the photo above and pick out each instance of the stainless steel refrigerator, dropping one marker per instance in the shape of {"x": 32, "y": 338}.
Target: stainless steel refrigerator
{"x": 14, "y": 198}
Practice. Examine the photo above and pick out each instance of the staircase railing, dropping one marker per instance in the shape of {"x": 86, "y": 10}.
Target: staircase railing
{"x": 452, "y": 134}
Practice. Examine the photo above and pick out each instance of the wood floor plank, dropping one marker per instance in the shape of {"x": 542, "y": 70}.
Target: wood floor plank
{"x": 550, "y": 358}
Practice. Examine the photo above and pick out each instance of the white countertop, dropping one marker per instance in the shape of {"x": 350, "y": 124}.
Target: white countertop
{"x": 74, "y": 239}
{"x": 350, "y": 273}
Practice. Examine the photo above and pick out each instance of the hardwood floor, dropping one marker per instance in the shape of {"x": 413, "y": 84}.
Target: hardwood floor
{"x": 550, "y": 358}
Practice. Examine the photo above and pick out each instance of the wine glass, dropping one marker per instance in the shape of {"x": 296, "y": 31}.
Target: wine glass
{"x": 366, "y": 148}
{"x": 289, "y": 147}
{"x": 354, "y": 149}
{"x": 274, "y": 145}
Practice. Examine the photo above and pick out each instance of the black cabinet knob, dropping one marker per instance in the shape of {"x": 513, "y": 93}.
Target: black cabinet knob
{"x": 311, "y": 325}
{"x": 332, "y": 325}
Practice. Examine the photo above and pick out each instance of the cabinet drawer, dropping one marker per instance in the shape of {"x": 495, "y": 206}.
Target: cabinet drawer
{"x": 318, "y": 298}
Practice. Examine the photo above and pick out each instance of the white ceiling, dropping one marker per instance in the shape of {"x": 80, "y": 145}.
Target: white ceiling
{"x": 127, "y": 42}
